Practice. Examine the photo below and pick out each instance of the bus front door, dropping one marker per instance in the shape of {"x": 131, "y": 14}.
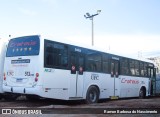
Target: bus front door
{"x": 152, "y": 75}
{"x": 76, "y": 79}
{"x": 115, "y": 79}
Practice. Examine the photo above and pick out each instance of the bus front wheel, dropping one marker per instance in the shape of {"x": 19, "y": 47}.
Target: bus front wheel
{"x": 142, "y": 93}
{"x": 92, "y": 95}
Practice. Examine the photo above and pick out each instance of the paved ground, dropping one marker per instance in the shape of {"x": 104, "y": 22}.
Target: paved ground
{"x": 60, "y": 108}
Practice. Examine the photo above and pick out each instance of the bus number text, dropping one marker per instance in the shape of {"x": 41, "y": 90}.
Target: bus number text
{"x": 28, "y": 74}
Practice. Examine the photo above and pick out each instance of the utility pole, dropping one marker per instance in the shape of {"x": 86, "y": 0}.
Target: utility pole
{"x": 91, "y": 18}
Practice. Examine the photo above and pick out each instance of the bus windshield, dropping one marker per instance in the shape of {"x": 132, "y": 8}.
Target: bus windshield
{"x": 23, "y": 46}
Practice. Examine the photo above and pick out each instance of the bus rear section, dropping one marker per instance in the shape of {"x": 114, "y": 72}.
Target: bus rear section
{"x": 21, "y": 69}
{"x": 2, "y": 57}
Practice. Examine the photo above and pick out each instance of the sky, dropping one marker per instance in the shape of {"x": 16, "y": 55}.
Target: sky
{"x": 129, "y": 27}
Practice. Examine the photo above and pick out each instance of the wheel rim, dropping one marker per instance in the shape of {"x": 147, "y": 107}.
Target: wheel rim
{"x": 92, "y": 96}
{"x": 141, "y": 93}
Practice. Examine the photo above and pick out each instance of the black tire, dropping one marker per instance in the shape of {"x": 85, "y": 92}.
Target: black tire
{"x": 1, "y": 96}
{"x": 92, "y": 95}
{"x": 142, "y": 93}
{"x": 10, "y": 97}
{"x": 32, "y": 97}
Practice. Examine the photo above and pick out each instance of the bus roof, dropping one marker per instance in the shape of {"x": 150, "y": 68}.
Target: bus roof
{"x": 83, "y": 45}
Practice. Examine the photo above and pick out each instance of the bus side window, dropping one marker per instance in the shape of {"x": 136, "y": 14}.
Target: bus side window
{"x": 152, "y": 73}
{"x": 64, "y": 58}
{"x": 137, "y": 68}
{"x": 49, "y": 60}
{"x": 49, "y": 55}
{"x": 145, "y": 69}
{"x": 124, "y": 66}
{"x": 142, "y": 69}
{"x": 92, "y": 66}
{"x": 94, "y": 62}
{"x": 55, "y": 55}
{"x": 105, "y": 63}
{"x": 132, "y": 67}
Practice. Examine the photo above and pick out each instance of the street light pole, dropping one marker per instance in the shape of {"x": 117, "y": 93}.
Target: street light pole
{"x": 91, "y": 18}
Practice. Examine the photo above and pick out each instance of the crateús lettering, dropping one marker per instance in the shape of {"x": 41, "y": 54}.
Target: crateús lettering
{"x": 129, "y": 81}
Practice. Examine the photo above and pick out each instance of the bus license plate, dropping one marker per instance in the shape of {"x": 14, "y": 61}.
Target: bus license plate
{"x": 19, "y": 80}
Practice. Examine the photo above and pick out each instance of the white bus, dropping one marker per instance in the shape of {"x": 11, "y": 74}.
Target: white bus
{"x": 2, "y": 57}
{"x": 36, "y": 66}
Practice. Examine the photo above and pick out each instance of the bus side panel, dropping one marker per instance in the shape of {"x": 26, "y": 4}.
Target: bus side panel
{"x": 127, "y": 87}
{"x": 2, "y": 58}
{"x": 130, "y": 86}
{"x": 102, "y": 81}
{"x": 56, "y": 83}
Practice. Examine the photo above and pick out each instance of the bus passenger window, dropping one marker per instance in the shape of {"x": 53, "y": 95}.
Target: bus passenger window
{"x": 152, "y": 74}
{"x": 92, "y": 66}
{"x": 132, "y": 67}
{"x": 56, "y": 55}
{"x": 73, "y": 60}
{"x": 124, "y": 66}
{"x": 49, "y": 49}
{"x": 81, "y": 61}
{"x": 142, "y": 69}
{"x": 49, "y": 60}
{"x": 105, "y": 63}
{"x": 105, "y": 67}
{"x": 149, "y": 72}
{"x": 137, "y": 68}
{"x": 145, "y": 69}
{"x": 94, "y": 62}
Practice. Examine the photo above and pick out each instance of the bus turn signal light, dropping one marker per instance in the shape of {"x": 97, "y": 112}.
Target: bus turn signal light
{"x": 37, "y": 75}
{"x": 4, "y": 76}
{"x": 36, "y": 79}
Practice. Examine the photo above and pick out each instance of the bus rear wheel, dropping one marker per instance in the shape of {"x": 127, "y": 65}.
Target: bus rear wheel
{"x": 10, "y": 97}
{"x": 32, "y": 97}
{"x": 1, "y": 96}
{"x": 92, "y": 95}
